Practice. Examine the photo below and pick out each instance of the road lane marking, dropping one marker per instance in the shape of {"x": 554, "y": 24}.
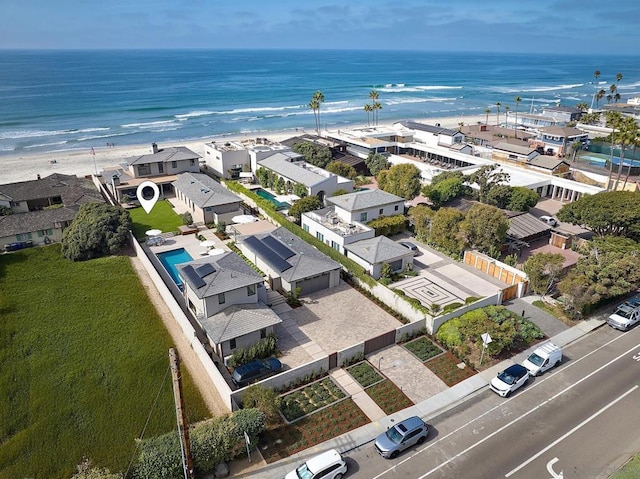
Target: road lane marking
{"x": 552, "y": 472}
{"x": 501, "y": 405}
{"x": 567, "y": 434}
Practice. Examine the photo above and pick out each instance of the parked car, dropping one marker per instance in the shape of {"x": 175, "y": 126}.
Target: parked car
{"x": 410, "y": 246}
{"x": 544, "y": 357}
{"x": 626, "y": 315}
{"x": 257, "y": 369}
{"x": 510, "y": 380}
{"x": 401, "y": 436}
{"x": 328, "y": 465}
{"x": 550, "y": 220}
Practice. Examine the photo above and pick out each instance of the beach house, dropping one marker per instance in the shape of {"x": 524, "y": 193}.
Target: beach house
{"x": 235, "y": 159}
{"x": 206, "y": 199}
{"x": 227, "y": 297}
{"x": 161, "y": 166}
{"x": 38, "y": 211}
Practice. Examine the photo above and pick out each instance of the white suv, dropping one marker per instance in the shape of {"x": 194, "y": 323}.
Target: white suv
{"x": 328, "y": 465}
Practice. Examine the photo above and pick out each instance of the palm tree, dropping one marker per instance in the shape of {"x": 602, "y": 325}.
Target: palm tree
{"x": 583, "y": 107}
{"x": 628, "y": 135}
{"x": 376, "y": 106}
{"x": 613, "y": 121}
{"x": 635, "y": 143}
{"x": 576, "y": 146}
{"x": 498, "y": 105}
{"x": 314, "y": 104}
{"x": 599, "y": 96}
{"x": 618, "y": 77}
{"x": 506, "y": 115}
{"x": 487, "y": 111}
{"x": 597, "y": 75}
{"x": 373, "y": 95}
{"x": 517, "y": 100}
{"x": 319, "y": 97}
{"x": 368, "y": 108}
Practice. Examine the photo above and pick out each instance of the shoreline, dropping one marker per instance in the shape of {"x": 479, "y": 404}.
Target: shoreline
{"x": 27, "y": 166}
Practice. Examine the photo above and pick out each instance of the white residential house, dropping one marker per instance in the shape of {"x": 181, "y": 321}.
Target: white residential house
{"x": 227, "y": 297}
{"x": 367, "y": 205}
{"x": 432, "y": 135}
{"x": 206, "y": 199}
{"x": 160, "y": 166}
{"x": 290, "y": 262}
{"x": 229, "y": 159}
{"x": 292, "y": 168}
{"x": 373, "y": 253}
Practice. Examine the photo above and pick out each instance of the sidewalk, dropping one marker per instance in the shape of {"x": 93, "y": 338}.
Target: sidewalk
{"x": 428, "y": 409}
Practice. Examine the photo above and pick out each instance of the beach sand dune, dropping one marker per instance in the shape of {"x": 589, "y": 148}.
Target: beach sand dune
{"x": 27, "y": 166}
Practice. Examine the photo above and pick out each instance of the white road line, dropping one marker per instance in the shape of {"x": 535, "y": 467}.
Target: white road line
{"x": 564, "y": 436}
{"x": 500, "y": 405}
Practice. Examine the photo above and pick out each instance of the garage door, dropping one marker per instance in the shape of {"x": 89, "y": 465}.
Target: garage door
{"x": 316, "y": 283}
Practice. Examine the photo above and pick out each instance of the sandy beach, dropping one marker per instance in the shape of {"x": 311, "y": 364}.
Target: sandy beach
{"x": 27, "y": 166}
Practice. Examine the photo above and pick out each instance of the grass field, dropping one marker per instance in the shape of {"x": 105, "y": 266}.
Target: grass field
{"x": 83, "y": 355}
{"x": 162, "y": 217}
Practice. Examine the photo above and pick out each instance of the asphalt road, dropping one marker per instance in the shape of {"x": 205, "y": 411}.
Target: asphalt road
{"x": 580, "y": 420}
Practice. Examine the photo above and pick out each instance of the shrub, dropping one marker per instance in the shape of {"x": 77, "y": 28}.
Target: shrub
{"x": 353, "y": 359}
{"x": 451, "y": 307}
{"x": 262, "y": 349}
{"x": 449, "y": 333}
{"x": 187, "y": 219}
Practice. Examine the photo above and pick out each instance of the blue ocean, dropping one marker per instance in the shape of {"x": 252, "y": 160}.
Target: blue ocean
{"x": 67, "y": 100}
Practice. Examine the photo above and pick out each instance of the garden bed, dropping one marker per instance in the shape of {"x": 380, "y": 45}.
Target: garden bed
{"x": 423, "y": 348}
{"x": 364, "y": 374}
{"x": 310, "y": 398}
{"x": 388, "y": 396}
{"x": 446, "y": 368}
{"x": 283, "y": 440}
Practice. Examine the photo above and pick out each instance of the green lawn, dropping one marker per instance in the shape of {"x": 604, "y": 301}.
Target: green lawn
{"x": 83, "y": 355}
{"x": 162, "y": 217}
{"x": 631, "y": 470}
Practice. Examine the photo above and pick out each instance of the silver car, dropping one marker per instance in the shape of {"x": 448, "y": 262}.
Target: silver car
{"x": 401, "y": 436}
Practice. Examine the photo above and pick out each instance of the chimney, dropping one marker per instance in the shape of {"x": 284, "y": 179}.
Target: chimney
{"x": 38, "y": 176}
{"x": 154, "y": 147}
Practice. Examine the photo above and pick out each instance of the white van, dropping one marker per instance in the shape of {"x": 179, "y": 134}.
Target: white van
{"x": 544, "y": 357}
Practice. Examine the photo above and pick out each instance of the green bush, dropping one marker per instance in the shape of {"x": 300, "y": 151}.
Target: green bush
{"x": 451, "y": 307}
{"x": 159, "y": 458}
{"x": 449, "y": 333}
{"x": 262, "y": 349}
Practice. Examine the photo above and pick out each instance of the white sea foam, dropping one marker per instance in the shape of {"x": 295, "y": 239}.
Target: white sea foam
{"x": 151, "y": 124}
{"x": 89, "y": 130}
{"x": 540, "y": 88}
{"x": 15, "y": 134}
{"x": 402, "y": 88}
{"x": 97, "y": 137}
{"x": 402, "y": 101}
{"x": 194, "y": 114}
{"x": 54, "y": 143}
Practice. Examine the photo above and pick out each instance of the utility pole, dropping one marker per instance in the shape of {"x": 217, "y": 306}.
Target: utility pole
{"x": 183, "y": 427}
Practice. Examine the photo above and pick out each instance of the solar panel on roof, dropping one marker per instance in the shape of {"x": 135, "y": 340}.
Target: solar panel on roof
{"x": 267, "y": 254}
{"x": 192, "y": 277}
{"x": 280, "y": 248}
{"x": 205, "y": 270}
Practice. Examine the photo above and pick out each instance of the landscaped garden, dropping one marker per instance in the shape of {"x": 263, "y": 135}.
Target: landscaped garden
{"x": 422, "y": 348}
{"x": 84, "y": 358}
{"x": 446, "y": 368}
{"x": 383, "y": 392}
{"x": 161, "y": 217}
{"x": 282, "y": 440}
{"x": 310, "y": 398}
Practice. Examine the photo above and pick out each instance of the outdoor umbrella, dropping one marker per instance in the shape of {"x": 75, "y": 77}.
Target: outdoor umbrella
{"x": 215, "y": 252}
{"x": 153, "y": 232}
{"x": 240, "y": 219}
{"x": 208, "y": 243}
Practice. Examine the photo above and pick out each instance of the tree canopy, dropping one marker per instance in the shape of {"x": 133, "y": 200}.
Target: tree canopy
{"x": 445, "y": 230}
{"x": 402, "y": 180}
{"x": 317, "y": 155}
{"x": 484, "y": 227}
{"x": 342, "y": 169}
{"x": 544, "y": 271}
{"x": 445, "y": 187}
{"x": 514, "y": 198}
{"x": 376, "y": 163}
{"x": 487, "y": 177}
{"x": 612, "y": 213}
{"x": 421, "y": 216}
{"x": 98, "y": 230}
{"x": 308, "y": 203}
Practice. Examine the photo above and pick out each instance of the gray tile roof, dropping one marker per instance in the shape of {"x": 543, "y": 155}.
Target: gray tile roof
{"x": 204, "y": 191}
{"x": 526, "y": 225}
{"x": 231, "y": 272}
{"x": 238, "y": 320}
{"x": 378, "y": 250}
{"x": 70, "y": 188}
{"x": 307, "y": 260}
{"x": 363, "y": 200}
{"x": 33, "y": 221}
{"x": 280, "y": 163}
{"x": 511, "y": 148}
{"x": 547, "y": 162}
{"x": 164, "y": 155}
{"x": 562, "y": 131}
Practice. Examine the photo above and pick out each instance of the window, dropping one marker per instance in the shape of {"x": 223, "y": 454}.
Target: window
{"x": 192, "y": 162}
{"x": 251, "y": 290}
{"x": 174, "y": 164}
{"x": 144, "y": 169}
{"x": 320, "y": 236}
{"x": 263, "y": 333}
{"x": 23, "y": 236}
{"x": 221, "y": 299}
{"x": 232, "y": 343}
{"x": 381, "y": 211}
{"x": 396, "y": 207}
{"x": 363, "y": 217}
{"x": 306, "y": 228}
{"x": 160, "y": 167}
{"x": 335, "y": 246}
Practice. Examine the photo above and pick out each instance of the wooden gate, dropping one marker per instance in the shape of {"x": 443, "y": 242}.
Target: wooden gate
{"x": 333, "y": 361}
{"x": 510, "y": 292}
{"x": 379, "y": 342}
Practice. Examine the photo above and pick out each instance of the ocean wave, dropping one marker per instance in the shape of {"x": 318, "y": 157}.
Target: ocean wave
{"x": 194, "y": 114}
{"x": 40, "y": 145}
{"x": 628, "y": 86}
{"x": 97, "y": 137}
{"x": 418, "y": 88}
{"x": 89, "y": 130}
{"x": 540, "y": 88}
{"x": 402, "y": 101}
{"x": 16, "y": 134}
{"x": 151, "y": 124}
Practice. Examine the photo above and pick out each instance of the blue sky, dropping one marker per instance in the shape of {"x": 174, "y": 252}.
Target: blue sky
{"x": 545, "y": 26}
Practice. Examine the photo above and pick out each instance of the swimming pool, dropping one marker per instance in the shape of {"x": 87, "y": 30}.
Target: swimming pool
{"x": 602, "y": 160}
{"x": 280, "y": 205}
{"x": 170, "y": 259}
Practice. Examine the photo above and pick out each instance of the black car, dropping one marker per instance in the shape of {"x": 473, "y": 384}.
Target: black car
{"x": 255, "y": 370}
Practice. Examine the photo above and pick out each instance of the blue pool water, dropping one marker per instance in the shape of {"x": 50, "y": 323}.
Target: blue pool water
{"x": 280, "y": 205}
{"x": 170, "y": 259}
{"x": 602, "y": 161}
